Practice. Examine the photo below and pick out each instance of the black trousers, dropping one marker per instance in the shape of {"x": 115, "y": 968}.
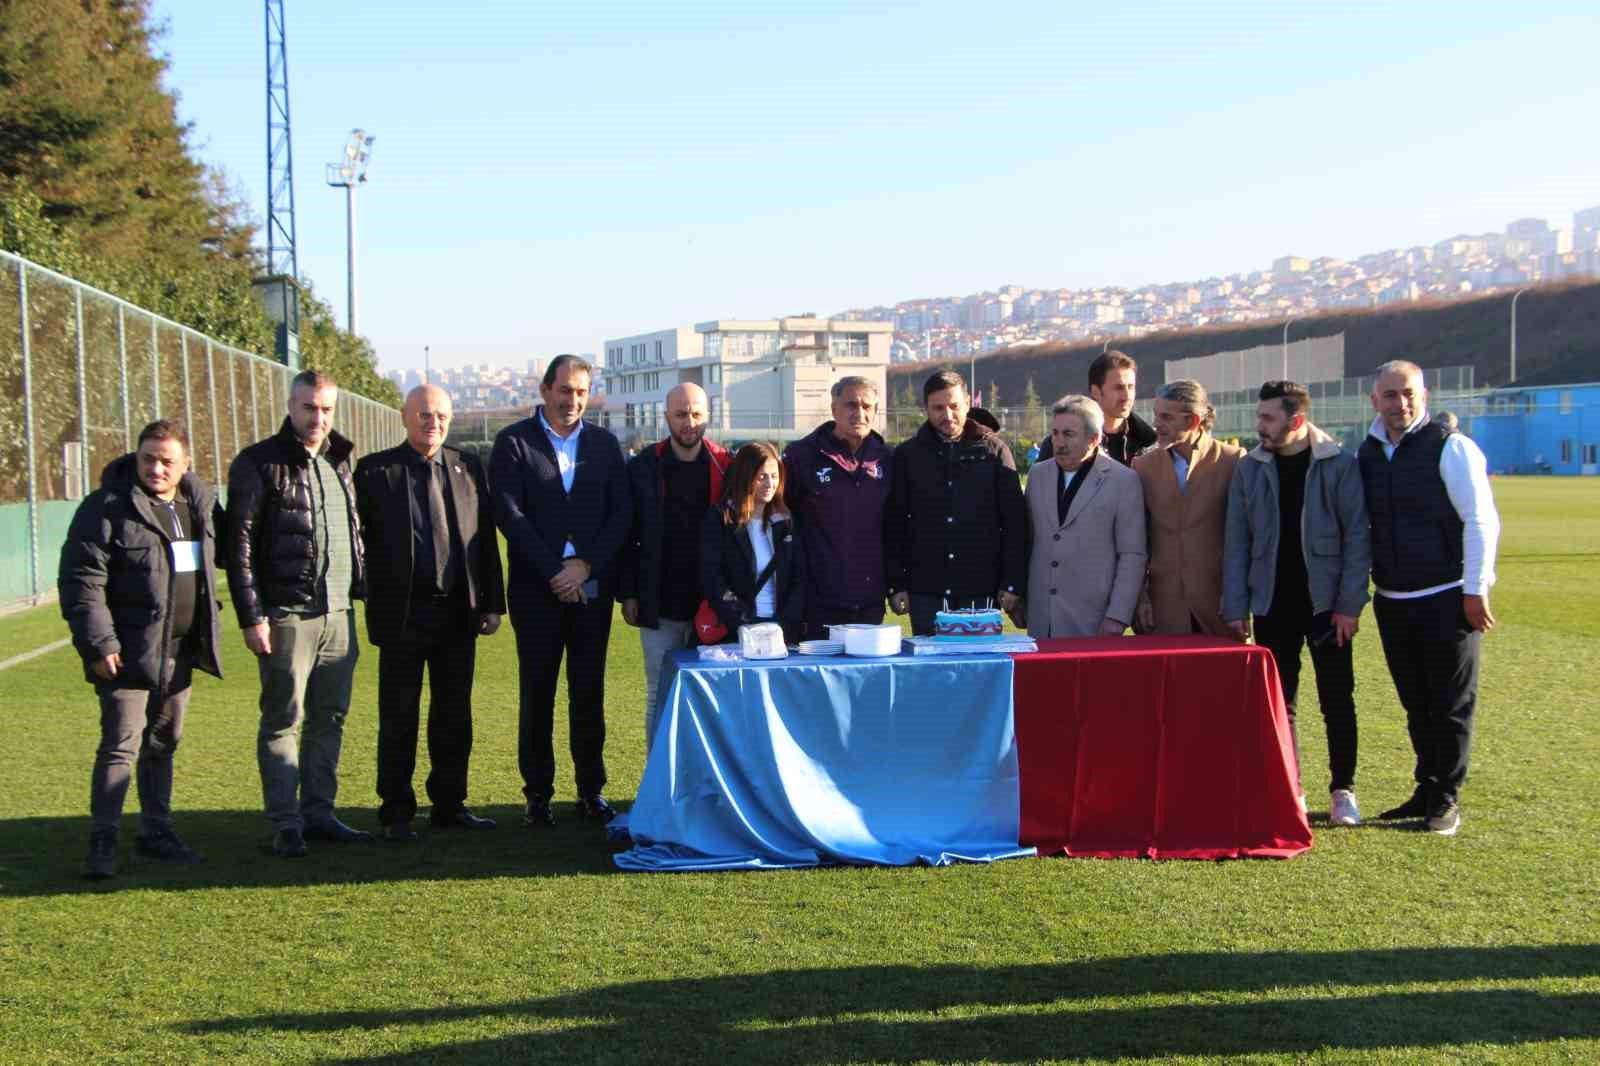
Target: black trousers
{"x": 544, "y": 634}
{"x": 1336, "y": 687}
{"x": 1433, "y": 657}
{"x": 444, "y": 641}
{"x": 819, "y": 618}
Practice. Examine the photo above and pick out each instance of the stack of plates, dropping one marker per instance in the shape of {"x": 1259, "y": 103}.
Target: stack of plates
{"x": 821, "y": 647}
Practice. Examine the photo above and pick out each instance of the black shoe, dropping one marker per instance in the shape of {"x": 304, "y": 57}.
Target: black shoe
{"x": 1444, "y": 818}
{"x": 595, "y": 807}
{"x": 399, "y": 833}
{"x": 289, "y": 844}
{"x": 101, "y": 862}
{"x": 164, "y": 845}
{"x": 538, "y": 814}
{"x": 1415, "y": 807}
{"x": 461, "y": 819}
{"x": 331, "y": 829}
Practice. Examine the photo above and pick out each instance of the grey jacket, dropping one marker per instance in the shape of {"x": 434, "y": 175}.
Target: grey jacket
{"x": 1333, "y": 531}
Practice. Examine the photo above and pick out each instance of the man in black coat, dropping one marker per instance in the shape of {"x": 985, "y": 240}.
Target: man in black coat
{"x": 955, "y": 527}
{"x": 673, "y": 482}
{"x": 561, "y": 499}
{"x": 1113, "y": 380}
{"x": 427, "y": 524}
{"x": 138, "y": 587}
{"x": 295, "y": 570}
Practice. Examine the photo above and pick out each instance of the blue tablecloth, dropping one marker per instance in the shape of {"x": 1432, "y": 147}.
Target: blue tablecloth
{"x": 807, "y": 761}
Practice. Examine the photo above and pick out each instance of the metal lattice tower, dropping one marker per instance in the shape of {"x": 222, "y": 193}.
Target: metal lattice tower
{"x": 281, "y": 256}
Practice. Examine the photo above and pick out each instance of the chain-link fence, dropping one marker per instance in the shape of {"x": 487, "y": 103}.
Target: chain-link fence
{"x": 81, "y": 372}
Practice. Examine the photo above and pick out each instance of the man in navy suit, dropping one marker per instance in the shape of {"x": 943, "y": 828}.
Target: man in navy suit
{"x": 561, "y": 499}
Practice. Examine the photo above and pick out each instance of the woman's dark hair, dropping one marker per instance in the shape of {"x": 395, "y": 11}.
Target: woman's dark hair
{"x": 739, "y": 499}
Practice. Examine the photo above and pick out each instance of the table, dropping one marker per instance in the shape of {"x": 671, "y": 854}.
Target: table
{"x": 808, "y": 761}
{"x": 1158, "y": 747}
{"x": 1165, "y": 747}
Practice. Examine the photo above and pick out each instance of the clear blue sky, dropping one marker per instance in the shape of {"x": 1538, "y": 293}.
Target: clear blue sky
{"x": 548, "y": 175}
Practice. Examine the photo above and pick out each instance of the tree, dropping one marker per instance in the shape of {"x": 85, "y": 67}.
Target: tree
{"x": 1030, "y": 396}
{"x": 906, "y": 398}
{"x": 993, "y": 403}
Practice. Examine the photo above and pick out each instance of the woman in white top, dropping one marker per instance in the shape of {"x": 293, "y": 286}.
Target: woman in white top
{"x": 748, "y": 534}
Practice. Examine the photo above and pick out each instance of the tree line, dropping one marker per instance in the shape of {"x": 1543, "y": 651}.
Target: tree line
{"x": 99, "y": 181}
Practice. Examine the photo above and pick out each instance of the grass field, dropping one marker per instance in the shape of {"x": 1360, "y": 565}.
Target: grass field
{"x": 1379, "y": 945}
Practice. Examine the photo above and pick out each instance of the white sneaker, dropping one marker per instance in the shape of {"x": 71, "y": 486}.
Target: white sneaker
{"x": 1305, "y": 808}
{"x": 1342, "y": 808}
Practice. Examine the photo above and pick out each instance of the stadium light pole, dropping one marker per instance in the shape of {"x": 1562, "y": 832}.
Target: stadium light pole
{"x": 1515, "y": 296}
{"x": 1286, "y": 347}
{"x": 347, "y": 174}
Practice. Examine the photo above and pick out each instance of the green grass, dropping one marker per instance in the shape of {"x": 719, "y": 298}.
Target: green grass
{"x": 1379, "y": 945}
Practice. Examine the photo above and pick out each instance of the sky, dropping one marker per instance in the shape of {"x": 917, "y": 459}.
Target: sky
{"x": 546, "y": 176}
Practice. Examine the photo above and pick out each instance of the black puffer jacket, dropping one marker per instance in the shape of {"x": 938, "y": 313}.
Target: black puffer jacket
{"x": 271, "y": 546}
{"x": 956, "y": 522}
{"x": 116, "y": 580}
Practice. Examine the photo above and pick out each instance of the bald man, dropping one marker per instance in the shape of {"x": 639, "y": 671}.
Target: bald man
{"x": 434, "y": 586}
{"x": 673, "y": 482}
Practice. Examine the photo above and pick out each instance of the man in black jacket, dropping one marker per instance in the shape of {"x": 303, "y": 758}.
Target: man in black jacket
{"x": 561, "y": 500}
{"x": 955, "y": 528}
{"x": 673, "y": 483}
{"x": 138, "y": 586}
{"x": 427, "y": 526}
{"x": 295, "y": 569}
{"x": 1112, "y": 382}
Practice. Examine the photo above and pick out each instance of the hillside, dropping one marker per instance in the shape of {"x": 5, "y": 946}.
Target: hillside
{"x": 1558, "y": 341}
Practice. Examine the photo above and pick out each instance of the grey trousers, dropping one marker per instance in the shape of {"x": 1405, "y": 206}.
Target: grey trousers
{"x": 139, "y": 732}
{"x": 670, "y": 634}
{"x": 305, "y": 696}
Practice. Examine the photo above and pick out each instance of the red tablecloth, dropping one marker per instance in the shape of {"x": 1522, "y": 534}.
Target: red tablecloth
{"x": 1166, "y": 747}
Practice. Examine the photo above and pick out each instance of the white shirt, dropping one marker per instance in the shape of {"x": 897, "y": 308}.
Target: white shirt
{"x": 1465, "y": 473}
{"x": 566, "y": 461}
{"x": 766, "y": 605}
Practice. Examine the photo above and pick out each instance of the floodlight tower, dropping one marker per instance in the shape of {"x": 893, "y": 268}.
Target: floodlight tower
{"x": 347, "y": 174}
{"x": 278, "y": 289}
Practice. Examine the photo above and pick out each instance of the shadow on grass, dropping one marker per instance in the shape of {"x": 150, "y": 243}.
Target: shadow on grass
{"x": 40, "y": 856}
{"x": 1340, "y": 1001}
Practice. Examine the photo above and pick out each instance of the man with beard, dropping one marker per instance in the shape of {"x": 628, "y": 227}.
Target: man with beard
{"x": 955, "y": 527}
{"x": 1111, "y": 385}
{"x": 295, "y": 568}
{"x": 1295, "y": 556}
{"x": 672, "y": 483}
{"x": 837, "y": 485}
{"x": 138, "y": 586}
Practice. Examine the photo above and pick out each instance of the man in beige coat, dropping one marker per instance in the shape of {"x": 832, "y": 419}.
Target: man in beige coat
{"x": 1087, "y": 514}
{"x": 1185, "y": 478}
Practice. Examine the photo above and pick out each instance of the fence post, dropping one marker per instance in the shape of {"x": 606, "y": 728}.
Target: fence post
{"x": 122, "y": 363}
{"x": 27, "y": 423}
{"x": 155, "y": 371}
{"x": 216, "y": 423}
{"x": 83, "y": 397}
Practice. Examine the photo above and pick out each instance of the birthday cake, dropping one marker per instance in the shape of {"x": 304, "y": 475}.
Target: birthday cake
{"x": 978, "y": 624}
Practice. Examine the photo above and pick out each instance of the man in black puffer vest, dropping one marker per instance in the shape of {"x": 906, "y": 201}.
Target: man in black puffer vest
{"x": 1434, "y": 532}
{"x": 138, "y": 586}
{"x": 295, "y": 568}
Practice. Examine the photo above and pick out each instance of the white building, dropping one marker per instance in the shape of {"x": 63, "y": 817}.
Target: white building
{"x": 767, "y": 379}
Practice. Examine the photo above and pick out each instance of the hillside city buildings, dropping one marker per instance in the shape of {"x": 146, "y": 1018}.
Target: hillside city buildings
{"x": 1530, "y": 251}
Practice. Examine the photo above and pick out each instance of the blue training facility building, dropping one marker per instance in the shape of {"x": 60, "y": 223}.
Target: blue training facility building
{"x": 1551, "y": 429}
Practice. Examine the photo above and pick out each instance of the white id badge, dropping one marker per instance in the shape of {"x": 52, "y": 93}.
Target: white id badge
{"x": 185, "y": 556}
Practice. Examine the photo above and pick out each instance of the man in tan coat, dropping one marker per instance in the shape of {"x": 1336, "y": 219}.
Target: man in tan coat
{"x": 1087, "y": 513}
{"x": 1185, "y": 478}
